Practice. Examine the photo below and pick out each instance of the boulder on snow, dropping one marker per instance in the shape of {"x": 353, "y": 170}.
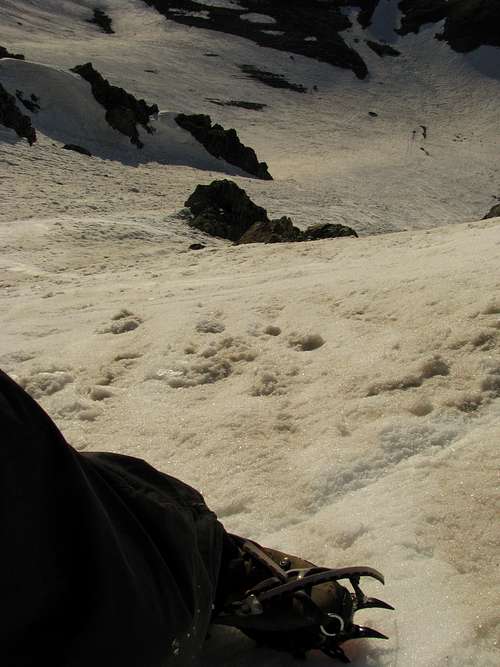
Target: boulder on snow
{"x": 272, "y": 231}
{"x": 327, "y": 231}
{"x": 11, "y": 117}
{"x": 494, "y": 212}
{"x": 77, "y": 149}
{"x": 223, "y": 144}
{"x": 123, "y": 111}
{"x": 223, "y": 209}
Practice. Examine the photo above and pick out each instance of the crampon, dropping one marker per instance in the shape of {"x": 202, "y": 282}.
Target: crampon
{"x": 290, "y": 604}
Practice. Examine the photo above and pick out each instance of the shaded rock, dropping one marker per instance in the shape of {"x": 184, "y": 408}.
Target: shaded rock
{"x": 271, "y": 79}
{"x": 123, "y": 111}
{"x": 223, "y": 144}
{"x": 223, "y": 209}
{"x": 367, "y": 9}
{"x": 272, "y": 231}
{"x": 77, "y": 149}
{"x": 494, "y": 212}
{"x": 101, "y": 19}
{"x": 373, "y": 114}
{"x": 468, "y": 23}
{"x": 4, "y": 53}
{"x": 11, "y": 117}
{"x": 327, "y": 231}
{"x": 31, "y": 104}
{"x": 382, "y": 49}
{"x": 197, "y": 246}
{"x": 294, "y": 22}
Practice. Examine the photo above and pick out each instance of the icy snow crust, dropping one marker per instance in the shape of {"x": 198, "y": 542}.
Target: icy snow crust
{"x": 337, "y": 399}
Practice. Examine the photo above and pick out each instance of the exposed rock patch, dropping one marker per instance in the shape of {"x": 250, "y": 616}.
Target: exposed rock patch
{"x": 223, "y": 144}
{"x": 31, "y": 103}
{"x": 224, "y": 209}
{"x": 123, "y": 111}
{"x": 101, "y": 19}
{"x": 77, "y": 149}
{"x": 292, "y": 26}
{"x": 328, "y": 231}
{"x": 494, "y": 212}
{"x": 252, "y": 106}
{"x": 11, "y": 117}
{"x": 4, "y": 53}
{"x": 271, "y": 79}
{"x": 382, "y": 50}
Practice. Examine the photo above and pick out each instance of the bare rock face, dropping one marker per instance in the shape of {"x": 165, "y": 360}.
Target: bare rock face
{"x": 494, "y": 212}
{"x": 11, "y": 117}
{"x": 223, "y": 144}
{"x": 123, "y": 111}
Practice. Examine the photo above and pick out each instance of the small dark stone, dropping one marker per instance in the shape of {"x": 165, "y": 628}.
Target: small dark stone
{"x": 494, "y": 212}
{"x": 224, "y": 144}
{"x": 11, "y": 117}
{"x": 77, "y": 149}
{"x": 373, "y": 114}
{"x": 328, "y": 231}
{"x": 382, "y": 49}
{"x": 197, "y": 246}
{"x": 123, "y": 111}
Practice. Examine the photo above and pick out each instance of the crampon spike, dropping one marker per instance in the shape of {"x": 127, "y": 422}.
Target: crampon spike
{"x": 360, "y": 632}
{"x": 374, "y": 603}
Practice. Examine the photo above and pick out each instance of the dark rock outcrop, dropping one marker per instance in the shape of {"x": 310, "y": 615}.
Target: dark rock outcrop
{"x": 382, "y": 49}
{"x": 123, "y": 111}
{"x": 271, "y": 79}
{"x": 272, "y": 231}
{"x": 327, "y": 231}
{"x": 224, "y": 209}
{"x": 11, "y": 117}
{"x": 77, "y": 149}
{"x": 101, "y": 19}
{"x": 468, "y": 25}
{"x": 223, "y": 144}
{"x": 494, "y": 212}
{"x": 307, "y": 27}
{"x": 4, "y": 53}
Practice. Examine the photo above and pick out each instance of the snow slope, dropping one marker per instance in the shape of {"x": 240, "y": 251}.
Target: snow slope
{"x": 338, "y": 399}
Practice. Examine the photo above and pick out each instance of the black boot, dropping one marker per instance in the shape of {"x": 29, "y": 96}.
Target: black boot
{"x": 288, "y": 603}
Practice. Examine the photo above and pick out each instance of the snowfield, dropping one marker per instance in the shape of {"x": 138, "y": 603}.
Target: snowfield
{"x": 337, "y": 399}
